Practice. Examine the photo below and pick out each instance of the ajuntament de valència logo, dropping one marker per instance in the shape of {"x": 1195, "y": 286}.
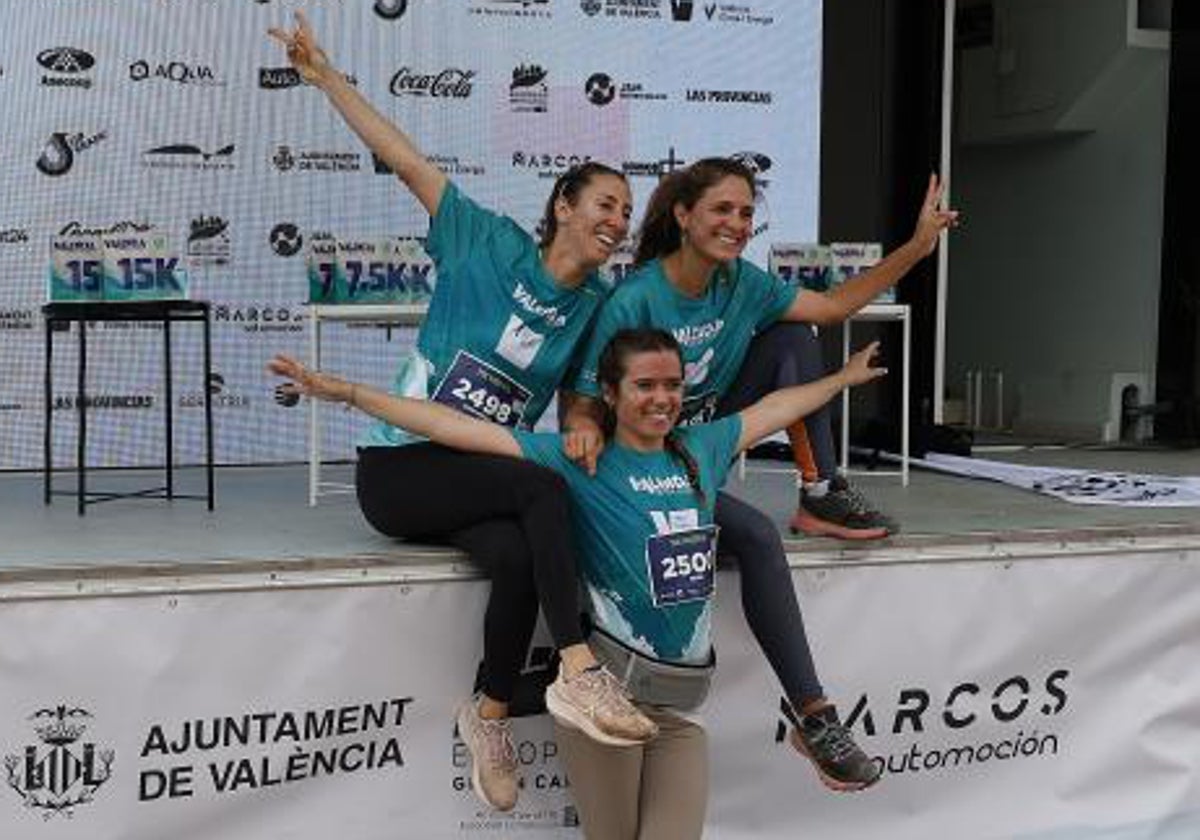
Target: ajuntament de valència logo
{"x": 61, "y": 771}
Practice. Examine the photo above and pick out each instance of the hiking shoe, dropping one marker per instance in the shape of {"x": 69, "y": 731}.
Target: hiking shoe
{"x": 493, "y": 759}
{"x": 841, "y": 763}
{"x": 595, "y": 702}
{"x": 843, "y": 512}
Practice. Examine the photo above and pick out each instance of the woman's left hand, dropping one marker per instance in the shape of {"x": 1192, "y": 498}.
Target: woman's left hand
{"x": 858, "y": 369}
{"x": 310, "y": 383}
{"x": 932, "y": 219}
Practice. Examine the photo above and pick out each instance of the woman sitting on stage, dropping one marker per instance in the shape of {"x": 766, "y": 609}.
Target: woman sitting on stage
{"x": 741, "y": 338}
{"x": 506, "y": 316}
{"x": 648, "y": 551}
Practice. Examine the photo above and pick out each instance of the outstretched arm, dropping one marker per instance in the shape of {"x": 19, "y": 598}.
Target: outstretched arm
{"x": 780, "y": 409}
{"x": 845, "y": 299}
{"x": 393, "y": 147}
{"x": 439, "y": 423}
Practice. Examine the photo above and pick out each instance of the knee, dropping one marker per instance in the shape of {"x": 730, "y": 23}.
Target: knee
{"x": 541, "y": 482}
{"x": 501, "y": 548}
{"x": 790, "y": 337}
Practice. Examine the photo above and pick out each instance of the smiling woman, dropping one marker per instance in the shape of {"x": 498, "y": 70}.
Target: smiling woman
{"x": 645, "y": 524}
{"x": 503, "y": 325}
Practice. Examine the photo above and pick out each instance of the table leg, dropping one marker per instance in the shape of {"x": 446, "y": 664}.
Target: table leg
{"x": 905, "y": 399}
{"x": 846, "y": 398}
{"x": 81, "y": 407}
{"x": 314, "y": 420}
{"x": 208, "y": 410}
{"x": 169, "y": 408}
{"x": 48, "y": 425}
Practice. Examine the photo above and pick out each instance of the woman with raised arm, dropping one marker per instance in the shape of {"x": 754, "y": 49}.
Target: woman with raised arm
{"x": 648, "y": 548}
{"x": 506, "y": 317}
{"x": 743, "y": 334}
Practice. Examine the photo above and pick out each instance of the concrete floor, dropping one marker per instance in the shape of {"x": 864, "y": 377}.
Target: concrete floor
{"x": 262, "y": 519}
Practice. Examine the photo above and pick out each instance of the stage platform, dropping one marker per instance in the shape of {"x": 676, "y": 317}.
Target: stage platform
{"x": 1019, "y": 666}
{"x": 262, "y": 523}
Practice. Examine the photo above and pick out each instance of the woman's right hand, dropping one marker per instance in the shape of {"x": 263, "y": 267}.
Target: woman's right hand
{"x": 303, "y": 51}
{"x": 310, "y": 383}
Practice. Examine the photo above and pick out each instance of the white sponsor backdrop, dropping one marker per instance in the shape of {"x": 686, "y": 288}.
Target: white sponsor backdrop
{"x": 1042, "y": 699}
{"x": 182, "y": 115}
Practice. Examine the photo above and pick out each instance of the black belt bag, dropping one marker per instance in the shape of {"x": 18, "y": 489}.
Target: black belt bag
{"x": 652, "y": 681}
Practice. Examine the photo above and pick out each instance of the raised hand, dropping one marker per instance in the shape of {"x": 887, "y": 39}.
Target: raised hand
{"x": 310, "y": 383}
{"x": 303, "y": 51}
{"x": 858, "y": 369}
{"x": 932, "y": 220}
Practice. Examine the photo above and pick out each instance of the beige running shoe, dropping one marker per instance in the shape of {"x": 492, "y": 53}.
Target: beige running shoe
{"x": 493, "y": 759}
{"x": 595, "y": 702}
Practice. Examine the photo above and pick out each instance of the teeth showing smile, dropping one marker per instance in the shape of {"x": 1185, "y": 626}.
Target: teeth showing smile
{"x": 606, "y": 240}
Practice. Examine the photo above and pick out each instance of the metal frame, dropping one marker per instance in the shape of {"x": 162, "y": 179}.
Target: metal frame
{"x": 404, "y": 314}
{"x": 882, "y": 312}
{"x": 84, "y": 313}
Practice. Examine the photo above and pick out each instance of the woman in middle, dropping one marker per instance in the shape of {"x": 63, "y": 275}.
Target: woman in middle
{"x": 644, "y": 522}
{"x": 742, "y": 336}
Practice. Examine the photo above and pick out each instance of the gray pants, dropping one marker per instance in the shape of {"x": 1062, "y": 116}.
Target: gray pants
{"x": 786, "y": 354}
{"x": 654, "y": 791}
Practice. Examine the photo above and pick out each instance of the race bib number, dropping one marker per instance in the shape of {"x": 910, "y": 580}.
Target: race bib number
{"x": 478, "y": 389}
{"x": 699, "y": 408}
{"x": 682, "y": 565}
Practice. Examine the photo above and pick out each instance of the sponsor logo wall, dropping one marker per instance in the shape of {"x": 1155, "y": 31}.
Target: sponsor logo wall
{"x": 184, "y": 117}
{"x": 1053, "y": 701}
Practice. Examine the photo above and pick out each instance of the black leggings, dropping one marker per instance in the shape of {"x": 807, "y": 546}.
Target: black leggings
{"x": 768, "y": 595}
{"x": 510, "y": 515}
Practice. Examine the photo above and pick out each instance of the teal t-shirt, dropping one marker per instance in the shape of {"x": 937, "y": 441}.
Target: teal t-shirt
{"x": 500, "y": 331}
{"x": 714, "y": 330}
{"x": 638, "y": 591}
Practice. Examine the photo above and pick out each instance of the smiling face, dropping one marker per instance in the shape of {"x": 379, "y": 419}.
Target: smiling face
{"x": 647, "y": 399}
{"x": 718, "y": 226}
{"x": 596, "y": 222}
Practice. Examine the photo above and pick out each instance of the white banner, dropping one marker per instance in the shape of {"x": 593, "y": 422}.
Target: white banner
{"x": 1041, "y": 699}
{"x": 184, "y": 117}
{"x": 1081, "y": 487}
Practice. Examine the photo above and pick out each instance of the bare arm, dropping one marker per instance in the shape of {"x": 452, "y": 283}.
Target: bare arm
{"x": 392, "y": 145}
{"x": 439, "y": 423}
{"x": 845, "y": 299}
{"x": 782, "y": 408}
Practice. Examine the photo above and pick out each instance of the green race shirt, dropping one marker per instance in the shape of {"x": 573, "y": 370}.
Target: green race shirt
{"x": 625, "y": 518}
{"x": 714, "y": 330}
{"x": 500, "y": 331}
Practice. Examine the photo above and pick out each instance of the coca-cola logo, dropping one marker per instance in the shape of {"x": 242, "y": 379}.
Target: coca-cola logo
{"x": 451, "y": 83}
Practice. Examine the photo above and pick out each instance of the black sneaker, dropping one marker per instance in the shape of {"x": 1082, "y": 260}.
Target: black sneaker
{"x": 842, "y": 512}
{"x": 841, "y": 763}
